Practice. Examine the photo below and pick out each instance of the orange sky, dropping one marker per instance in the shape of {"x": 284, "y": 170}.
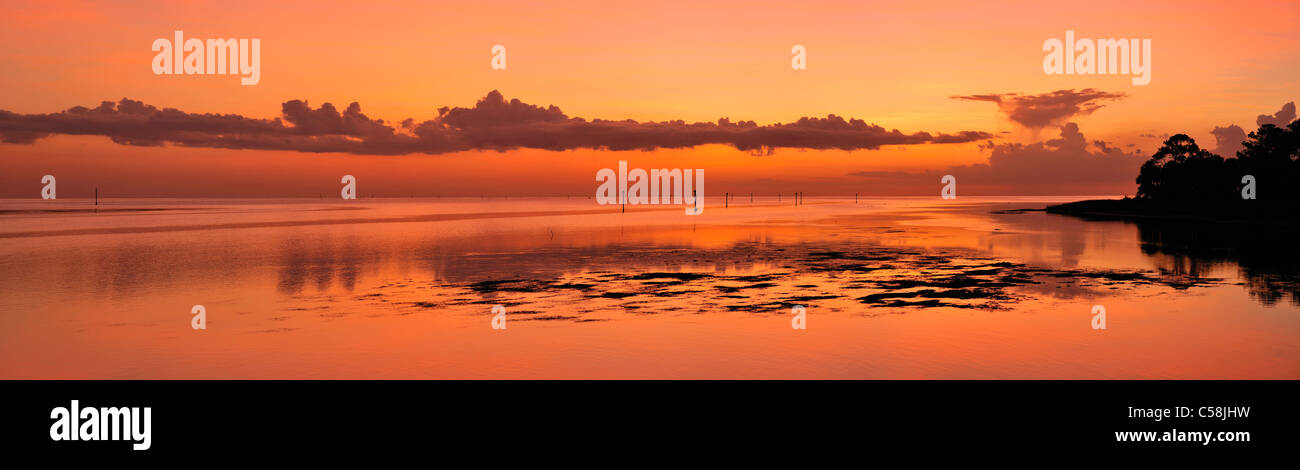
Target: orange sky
{"x": 895, "y": 64}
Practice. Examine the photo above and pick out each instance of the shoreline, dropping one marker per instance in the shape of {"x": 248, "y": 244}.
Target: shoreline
{"x": 1138, "y": 209}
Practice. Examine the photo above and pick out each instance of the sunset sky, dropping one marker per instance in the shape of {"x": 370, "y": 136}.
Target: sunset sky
{"x": 899, "y": 65}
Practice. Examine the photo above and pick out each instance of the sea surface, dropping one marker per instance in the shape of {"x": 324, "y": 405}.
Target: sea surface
{"x": 892, "y": 288}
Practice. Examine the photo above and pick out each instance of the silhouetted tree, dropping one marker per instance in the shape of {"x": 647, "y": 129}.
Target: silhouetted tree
{"x": 1270, "y": 155}
{"x": 1183, "y": 173}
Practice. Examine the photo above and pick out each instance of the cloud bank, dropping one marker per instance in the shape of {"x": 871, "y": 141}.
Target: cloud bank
{"x": 1046, "y": 109}
{"x": 1068, "y": 158}
{"x": 492, "y": 124}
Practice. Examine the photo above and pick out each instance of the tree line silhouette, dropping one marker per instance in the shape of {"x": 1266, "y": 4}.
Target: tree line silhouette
{"x": 1184, "y": 189}
{"x": 1182, "y": 173}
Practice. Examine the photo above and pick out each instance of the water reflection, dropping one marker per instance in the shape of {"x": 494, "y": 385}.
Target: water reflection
{"x": 933, "y": 290}
{"x": 1266, "y": 258}
{"x": 1263, "y": 257}
{"x": 761, "y": 269}
{"x": 320, "y": 262}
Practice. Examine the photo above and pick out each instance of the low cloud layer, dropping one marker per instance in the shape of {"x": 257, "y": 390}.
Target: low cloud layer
{"x": 492, "y": 124}
{"x": 1046, "y": 109}
{"x": 1066, "y": 162}
{"x": 1067, "y": 158}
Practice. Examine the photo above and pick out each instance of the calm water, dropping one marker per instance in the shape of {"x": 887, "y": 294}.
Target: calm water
{"x": 893, "y": 288}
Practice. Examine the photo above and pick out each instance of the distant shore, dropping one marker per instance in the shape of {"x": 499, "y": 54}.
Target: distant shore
{"x": 1244, "y": 212}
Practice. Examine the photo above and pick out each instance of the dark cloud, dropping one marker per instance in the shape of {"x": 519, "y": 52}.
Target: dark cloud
{"x": 492, "y": 124}
{"x": 1046, "y": 109}
{"x": 1228, "y": 140}
{"x": 327, "y": 120}
{"x": 1281, "y": 119}
{"x": 127, "y": 122}
{"x": 1104, "y": 147}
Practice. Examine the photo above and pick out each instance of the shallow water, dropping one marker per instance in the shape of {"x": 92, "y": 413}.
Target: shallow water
{"x": 404, "y": 288}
